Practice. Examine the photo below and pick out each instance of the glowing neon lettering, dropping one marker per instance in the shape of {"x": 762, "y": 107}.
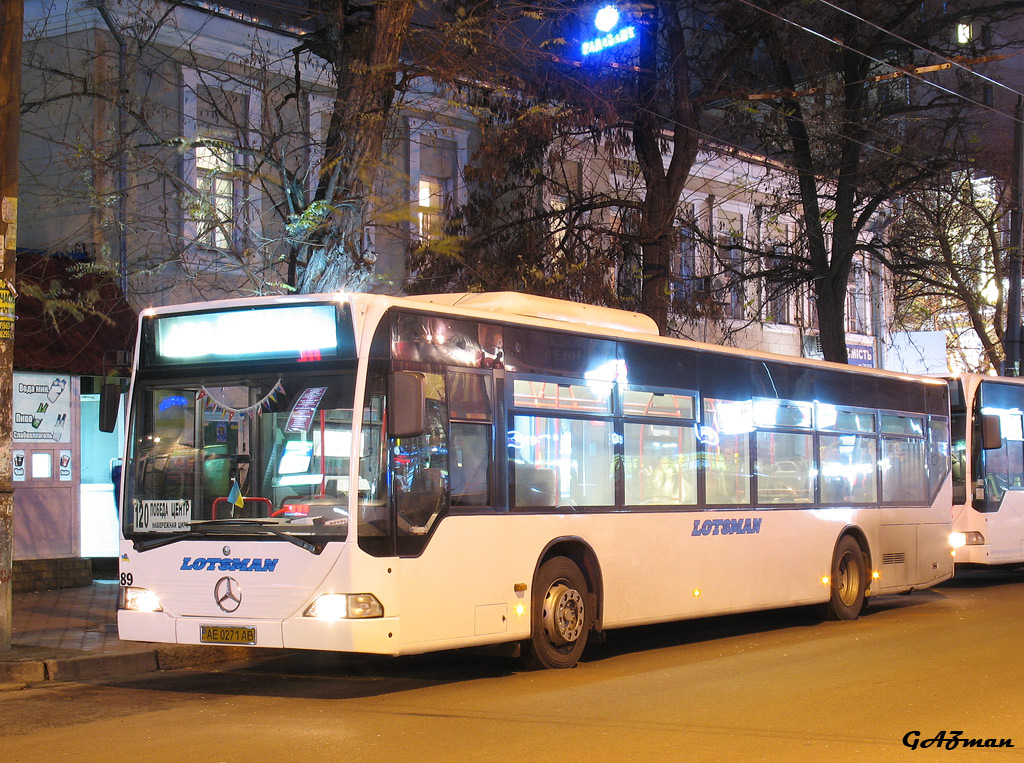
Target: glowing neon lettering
{"x": 609, "y": 40}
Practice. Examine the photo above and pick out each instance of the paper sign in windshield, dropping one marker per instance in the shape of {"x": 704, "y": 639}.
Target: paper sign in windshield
{"x": 302, "y": 412}
{"x": 162, "y": 516}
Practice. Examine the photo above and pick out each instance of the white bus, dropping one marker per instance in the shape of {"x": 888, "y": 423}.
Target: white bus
{"x": 988, "y": 469}
{"x": 384, "y": 475}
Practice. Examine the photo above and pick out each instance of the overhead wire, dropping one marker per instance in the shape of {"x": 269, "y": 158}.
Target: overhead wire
{"x": 285, "y": 5}
{"x": 952, "y": 61}
{"x": 908, "y": 73}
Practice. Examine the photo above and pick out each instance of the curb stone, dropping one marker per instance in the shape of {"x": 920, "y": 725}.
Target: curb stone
{"x": 22, "y": 672}
{"x": 17, "y": 674}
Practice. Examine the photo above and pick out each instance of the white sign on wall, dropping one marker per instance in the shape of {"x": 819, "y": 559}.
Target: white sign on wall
{"x": 64, "y": 472}
{"x": 19, "y": 466}
{"x": 41, "y": 408}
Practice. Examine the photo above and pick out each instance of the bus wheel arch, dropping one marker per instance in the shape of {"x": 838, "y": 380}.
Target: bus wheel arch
{"x": 849, "y": 577}
{"x": 564, "y": 604}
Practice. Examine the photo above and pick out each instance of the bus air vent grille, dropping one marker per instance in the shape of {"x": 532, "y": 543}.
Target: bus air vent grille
{"x": 897, "y": 558}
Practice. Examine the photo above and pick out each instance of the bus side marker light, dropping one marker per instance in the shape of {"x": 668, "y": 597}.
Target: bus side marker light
{"x": 520, "y": 609}
{"x": 696, "y": 593}
{"x": 875, "y": 575}
{"x": 824, "y": 580}
{"x": 340, "y": 606}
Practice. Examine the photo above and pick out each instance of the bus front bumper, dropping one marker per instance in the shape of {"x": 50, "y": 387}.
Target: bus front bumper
{"x": 377, "y": 635}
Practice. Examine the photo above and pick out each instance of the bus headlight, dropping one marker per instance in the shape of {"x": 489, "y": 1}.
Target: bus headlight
{"x": 973, "y": 538}
{"x": 341, "y": 606}
{"x": 139, "y": 600}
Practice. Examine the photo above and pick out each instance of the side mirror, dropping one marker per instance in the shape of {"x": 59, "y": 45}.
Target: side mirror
{"x": 110, "y": 401}
{"x": 407, "y": 404}
{"x": 991, "y": 433}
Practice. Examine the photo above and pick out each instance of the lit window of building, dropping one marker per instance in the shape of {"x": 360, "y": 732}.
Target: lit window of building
{"x": 213, "y": 211}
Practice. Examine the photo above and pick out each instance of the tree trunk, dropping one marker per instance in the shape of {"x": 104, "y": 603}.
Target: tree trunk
{"x": 831, "y": 308}
{"x": 664, "y": 184}
{"x": 366, "y": 62}
{"x": 11, "y": 23}
{"x": 657, "y": 242}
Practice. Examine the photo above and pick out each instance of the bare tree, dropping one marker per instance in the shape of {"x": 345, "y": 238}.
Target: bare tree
{"x": 950, "y": 263}
{"x": 640, "y": 109}
{"x": 140, "y": 149}
{"x": 689, "y": 52}
{"x": 362, "y": 46}
{"x": 202, "y": 153}
{"x": 852, "y": 101}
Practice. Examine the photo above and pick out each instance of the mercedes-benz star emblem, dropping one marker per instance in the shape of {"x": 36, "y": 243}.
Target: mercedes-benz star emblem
{"x": 228, "y": 594}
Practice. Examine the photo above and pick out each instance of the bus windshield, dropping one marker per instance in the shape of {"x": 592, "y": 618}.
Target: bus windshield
{"x": 209, "y": 457}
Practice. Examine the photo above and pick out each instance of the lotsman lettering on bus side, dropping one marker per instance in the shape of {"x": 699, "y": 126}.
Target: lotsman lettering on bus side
{"x": 745, "y": 526}
{"x": 229, "y": 565}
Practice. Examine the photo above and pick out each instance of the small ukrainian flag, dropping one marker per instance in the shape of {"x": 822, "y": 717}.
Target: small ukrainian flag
{"x": 235, "y": 496}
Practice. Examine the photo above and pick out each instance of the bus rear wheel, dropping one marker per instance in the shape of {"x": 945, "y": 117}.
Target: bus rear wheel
{"x": 560, "y": 616}
{"x": 848, "y": 581}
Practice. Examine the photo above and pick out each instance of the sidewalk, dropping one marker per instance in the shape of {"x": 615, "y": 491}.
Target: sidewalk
{"x": 71, "y": 633}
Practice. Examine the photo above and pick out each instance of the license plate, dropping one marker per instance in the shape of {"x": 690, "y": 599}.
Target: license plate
{"x": 217, "y": 634}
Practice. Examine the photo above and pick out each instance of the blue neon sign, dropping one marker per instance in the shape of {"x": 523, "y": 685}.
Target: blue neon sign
{"x": 607, "y": 20}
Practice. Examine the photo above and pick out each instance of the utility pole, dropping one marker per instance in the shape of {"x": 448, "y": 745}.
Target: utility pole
{"x": 1011, "y": 337}
{"x": 12, "y": 17}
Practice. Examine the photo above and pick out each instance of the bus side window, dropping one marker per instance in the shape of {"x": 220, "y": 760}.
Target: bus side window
{"x": 660, "y": 464}
{"x": 726, "y": 439}
{"x": 420, "y": 472}
{"x": 849, "y": 468}
{"x": 903, "y": 470}
{"x": 470, "y": 405}
{"x": 785, "y": 467}
{"x": 562, "y": 462}
{"x": 470, "y": 459}
{"x": 939, "y": 459}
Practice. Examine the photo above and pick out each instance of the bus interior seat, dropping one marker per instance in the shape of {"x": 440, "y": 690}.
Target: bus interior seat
{"x": 535, "y": 487}
{"x": 957, "y": 466}
{"x": 422, "y": 502}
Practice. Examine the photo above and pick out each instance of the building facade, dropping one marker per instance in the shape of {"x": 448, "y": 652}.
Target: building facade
{"x": 180, "y": 146}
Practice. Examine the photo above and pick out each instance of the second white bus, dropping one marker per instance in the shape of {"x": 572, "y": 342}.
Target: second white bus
{"x": 988, "y": 469}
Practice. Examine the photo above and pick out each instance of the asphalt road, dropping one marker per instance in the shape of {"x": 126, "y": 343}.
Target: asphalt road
{"x": 779, "y": 686}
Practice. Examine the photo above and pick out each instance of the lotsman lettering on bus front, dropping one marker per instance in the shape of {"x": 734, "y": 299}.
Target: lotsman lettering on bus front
{"x": 745, "y": 526}
{"x": 229, "y": 565}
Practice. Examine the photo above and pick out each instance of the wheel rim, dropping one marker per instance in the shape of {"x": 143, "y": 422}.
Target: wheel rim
{"x": 563, "y": 613}
{"x": 848, "y": 580}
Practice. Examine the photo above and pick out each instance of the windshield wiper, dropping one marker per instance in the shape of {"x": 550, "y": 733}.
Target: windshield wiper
{"x": 146, "y": 545}
{"x": 268, "y": 525}
{"x": 264, "y": 524}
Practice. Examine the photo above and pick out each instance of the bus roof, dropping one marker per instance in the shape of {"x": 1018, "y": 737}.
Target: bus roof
{"x": 531, "y": 306}
{"x": 520, "y": 308}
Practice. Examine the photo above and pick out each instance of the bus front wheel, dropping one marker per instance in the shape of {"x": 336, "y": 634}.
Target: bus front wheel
{"x": 559, "y": 615}
{"x": 848, "y": 581}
